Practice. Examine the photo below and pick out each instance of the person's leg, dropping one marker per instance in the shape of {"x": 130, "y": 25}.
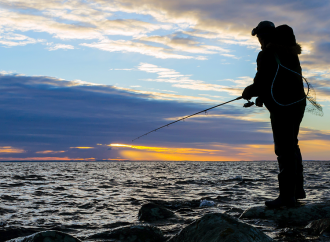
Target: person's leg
{"x": 300, "y": 192}
{"x": 285, "y": 148}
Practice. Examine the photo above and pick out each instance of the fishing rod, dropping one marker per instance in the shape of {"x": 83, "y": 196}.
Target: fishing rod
{"x": 246, "y": 105}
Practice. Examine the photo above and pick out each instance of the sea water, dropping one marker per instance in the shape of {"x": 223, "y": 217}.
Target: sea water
{"x": 83, "y": 198}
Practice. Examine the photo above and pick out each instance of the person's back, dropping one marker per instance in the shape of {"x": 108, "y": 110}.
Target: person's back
{"x": 276, "y": 82}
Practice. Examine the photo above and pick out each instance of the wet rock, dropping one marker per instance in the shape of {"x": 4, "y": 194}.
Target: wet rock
{"x": 184, "y": 210}
{"x": 318, "y": 227}
{"x": 136, "y": 233}
{"x": 8, "y": 233}
{"x": 235, "y": 212}
{"x": 177, "y": 204}
{"x": 133, "y": 201}
{"x": 115, "y": 225}
{"x": 207, "y": 203}
{"x": 153, "y": 212}
{"x": 49, "y": 236}
{"x": 218, "y": 227}
{"x": 290, "y": 234}
{"x": 301, "y": 214}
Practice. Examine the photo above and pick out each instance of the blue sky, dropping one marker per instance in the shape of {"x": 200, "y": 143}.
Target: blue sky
{"x": 81, "y": 79}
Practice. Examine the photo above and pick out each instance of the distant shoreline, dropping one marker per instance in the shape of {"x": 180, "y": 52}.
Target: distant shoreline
{"x": 40, "y": 161}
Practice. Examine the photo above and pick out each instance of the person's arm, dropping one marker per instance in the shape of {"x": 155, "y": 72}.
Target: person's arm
{"x": 254, "y": 89}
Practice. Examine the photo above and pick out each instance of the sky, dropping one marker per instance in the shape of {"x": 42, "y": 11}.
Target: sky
{"x": 80, "y": 80}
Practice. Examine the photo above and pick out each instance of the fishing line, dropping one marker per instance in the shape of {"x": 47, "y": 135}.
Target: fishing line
{"x": 182, "y": 119}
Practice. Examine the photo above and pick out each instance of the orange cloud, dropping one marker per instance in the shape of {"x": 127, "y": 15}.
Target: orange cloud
{"x": 45, "y": 159}
{"x": 142, "y": 155}
{"x": 9, "y": 149}
{"x": 82, "y": 148}
{"x": 311, "y": 150}
{"x": 166, "y": 149}
{"x": 50, "y": 152}
{"x": 315, "y": 149}
{"x": 219, "y": 152}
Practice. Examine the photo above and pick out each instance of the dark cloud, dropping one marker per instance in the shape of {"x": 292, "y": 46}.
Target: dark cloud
{"x": 44, "y": 113}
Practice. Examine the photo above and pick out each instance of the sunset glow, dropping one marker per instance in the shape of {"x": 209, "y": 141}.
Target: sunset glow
{"x": 82, "y": 79}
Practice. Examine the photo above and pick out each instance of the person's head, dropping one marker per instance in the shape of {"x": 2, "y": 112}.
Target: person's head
{"x": 265, "y": 32}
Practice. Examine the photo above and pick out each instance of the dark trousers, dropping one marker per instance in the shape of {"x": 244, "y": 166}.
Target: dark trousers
{"x": 285, "y": 125}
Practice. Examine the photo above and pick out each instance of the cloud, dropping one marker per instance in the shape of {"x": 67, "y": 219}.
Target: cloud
{"x": 186, "y": 25}
{"x": 135, "y": 47}
{"x": 167, "y": 150}
{"x": 45, "y": 116}
{"x": 9, "y": 39}
{"x": 60, "y": 46}
{"x": 45, "y": 158}
{"x": 184, "y": 81}
{"x": 9, "y": 149}
{"x": 50, "y": 152}
{"x": 228, "y": 24}
{"x": 185, "y": 45}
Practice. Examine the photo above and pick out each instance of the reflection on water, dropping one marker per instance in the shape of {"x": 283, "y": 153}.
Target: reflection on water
{"x": 83, "y": 198}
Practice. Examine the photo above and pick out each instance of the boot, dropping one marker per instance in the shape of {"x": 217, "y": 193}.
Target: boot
{"x": 300, "y": 194}
{"x": 281, "y": 201}
{"x": 287, "y": 187}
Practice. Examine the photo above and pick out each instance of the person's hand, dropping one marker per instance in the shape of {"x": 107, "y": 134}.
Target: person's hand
{"x": 259, "y": 102}
{"x": 246, "y": 94}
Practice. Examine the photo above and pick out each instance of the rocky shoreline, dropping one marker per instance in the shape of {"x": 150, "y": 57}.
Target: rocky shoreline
{"x": 158, "y": 201}
{"x": 161, "y": 221}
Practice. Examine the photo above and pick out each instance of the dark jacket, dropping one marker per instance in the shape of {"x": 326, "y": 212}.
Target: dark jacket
{"x": 288, "y": 86}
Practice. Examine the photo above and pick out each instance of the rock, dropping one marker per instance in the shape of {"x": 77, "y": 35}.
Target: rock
{"x": 218, "y": 227}
{"x": 115, "y": 225}
{"x": 136, "y": 233}
{"x": 290, "y": 234}
{"x": 176, "y": 204}
{"x": 153, "y": 212}
{"x": 302, "y": 214}
{"x": 8, "y": 233}
{"x": 207, "y": 203}
{"x": 320, "y": 226}
{"x": 47, "y": 236}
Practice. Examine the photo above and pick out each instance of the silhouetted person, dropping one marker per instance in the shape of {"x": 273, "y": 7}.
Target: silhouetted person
{"x": 279, "y": 46}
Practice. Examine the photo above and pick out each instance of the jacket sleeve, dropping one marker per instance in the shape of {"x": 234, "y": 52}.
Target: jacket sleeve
{"x": 261, "y": 76}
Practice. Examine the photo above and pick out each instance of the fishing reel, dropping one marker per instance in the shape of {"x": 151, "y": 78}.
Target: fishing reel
{"x": 248, "y": 104}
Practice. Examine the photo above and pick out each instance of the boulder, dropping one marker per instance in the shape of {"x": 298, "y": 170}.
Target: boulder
{"x": 47, "y": 236}
{"x": 135, "y": 233}
{"x": 320, "y": 226}
{"x": 151, "y": 212}
{"x": 218, "y": 227}
{"x": 301, "y": 214}
{"x": 10, "y": 232}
